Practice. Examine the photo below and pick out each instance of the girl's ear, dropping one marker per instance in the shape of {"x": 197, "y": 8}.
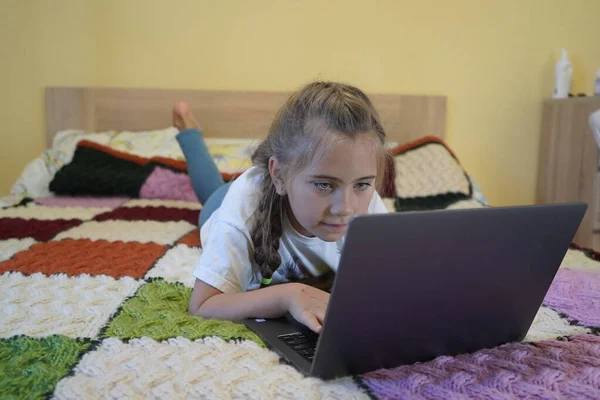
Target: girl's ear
{"x": 276, "y": 176}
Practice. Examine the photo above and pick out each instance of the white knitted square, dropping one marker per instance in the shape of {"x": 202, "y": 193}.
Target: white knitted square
{"x": 429, "y": 170}
{"x": 129, "y": 231}
{"x": 39, "y": 305}
{"x": 10, "y": 247}
{"x": 179, "y": 368}
{"x": 177, "y": 265}
{"x": 548, "y": 324}
{"x": 35, "y": 211}
{"x": 577, "y": 259}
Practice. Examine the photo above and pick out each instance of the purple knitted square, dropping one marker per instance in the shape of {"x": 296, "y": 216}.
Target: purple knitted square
{"x": 168, "y": 185}
{"x": 576, "y": 293}
{"x": 551, "y": 369}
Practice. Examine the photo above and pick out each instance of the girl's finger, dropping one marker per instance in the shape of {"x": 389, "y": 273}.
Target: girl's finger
{"x": 312, "y": 323}
{"x": 320, "y": 314}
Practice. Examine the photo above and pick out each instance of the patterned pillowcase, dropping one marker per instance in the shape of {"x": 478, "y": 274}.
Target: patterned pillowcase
{"x": 427, "y": 176}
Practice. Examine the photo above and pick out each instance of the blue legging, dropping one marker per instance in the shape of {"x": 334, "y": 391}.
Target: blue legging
{"x": 204, "y": 174}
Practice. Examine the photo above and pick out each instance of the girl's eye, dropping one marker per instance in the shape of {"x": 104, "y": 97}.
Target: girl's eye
{"x": 362, "y": 185}
{"x": 322, "y": 185}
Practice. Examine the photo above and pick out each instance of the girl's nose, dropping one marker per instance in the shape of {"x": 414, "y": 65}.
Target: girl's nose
{"x": 342, "y": 204}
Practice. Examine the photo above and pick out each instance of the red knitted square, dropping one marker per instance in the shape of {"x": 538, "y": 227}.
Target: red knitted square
{"x": 161, "y": 214}
{"x": 40, "y": 230}
{"x": 75, "y": 257}
{"x": 192, "y": 239}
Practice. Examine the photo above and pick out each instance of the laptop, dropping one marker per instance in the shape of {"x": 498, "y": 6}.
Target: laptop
{"x": 413, "y": 286}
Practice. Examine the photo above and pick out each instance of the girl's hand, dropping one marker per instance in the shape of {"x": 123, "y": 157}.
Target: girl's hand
{"x": 307, "y": 305}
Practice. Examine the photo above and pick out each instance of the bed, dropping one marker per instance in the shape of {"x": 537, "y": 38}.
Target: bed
{"x": 96, "y": 275}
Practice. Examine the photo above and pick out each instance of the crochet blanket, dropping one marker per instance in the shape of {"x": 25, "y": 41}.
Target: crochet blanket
{"x": 94, "y": 305}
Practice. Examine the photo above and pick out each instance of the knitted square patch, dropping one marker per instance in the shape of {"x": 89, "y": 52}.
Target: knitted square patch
{"x": 130, "y": 231}
{"x": 192, "y": 239}
{"x": 164, "y": 183}
{"x": 159, "y": 310}
{"x": 30, "y": 368}
{"x": 578, "y": 259}
{"x": 576, "y": 293}
{"x": 548, "y": 324}
{"x": 34, "y": 211}
{"x": 163, "y": 203}
{"x": 10, "y": 247}
{"x": 177, "y": 265}
{"x": 39, "y": 305}
{"x": 94, "y": 172}
{"x": 76, "y": 257}
{"x": 427, "y": 175}
{"x": 162, "y": 214}
{"x": 180, "y": 368}
{"x": 465, "y": 204}
{"x": 66, "y": 201}
{"x": 551, "y": 369}
{"x": 19, "y": 228}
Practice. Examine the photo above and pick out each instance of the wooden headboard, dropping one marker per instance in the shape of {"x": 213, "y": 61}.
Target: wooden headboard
{"x": 228, "y": 114}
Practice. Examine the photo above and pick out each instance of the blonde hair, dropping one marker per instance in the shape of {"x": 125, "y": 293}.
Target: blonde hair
{"x": 302, "y": 126}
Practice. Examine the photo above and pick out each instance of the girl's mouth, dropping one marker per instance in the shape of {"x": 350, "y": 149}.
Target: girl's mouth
{"x": 336, "y": 227}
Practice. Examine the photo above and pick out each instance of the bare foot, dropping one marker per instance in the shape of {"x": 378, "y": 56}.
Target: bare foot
{"x": 183, "y": 118}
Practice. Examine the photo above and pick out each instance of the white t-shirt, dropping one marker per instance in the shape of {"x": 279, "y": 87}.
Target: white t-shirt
{"x": 227, "y": 255}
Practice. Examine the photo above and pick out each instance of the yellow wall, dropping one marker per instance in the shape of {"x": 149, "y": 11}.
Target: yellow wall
{"x": 493, "y": 59}
{"x": 42, "y": 43}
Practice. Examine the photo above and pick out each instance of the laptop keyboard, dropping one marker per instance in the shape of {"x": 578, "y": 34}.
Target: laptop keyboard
{"x": 304, "y": 344}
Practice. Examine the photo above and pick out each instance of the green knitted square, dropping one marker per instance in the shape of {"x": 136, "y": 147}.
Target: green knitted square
{"x": 159, "y": 310}
{"x": 30, "y": 368}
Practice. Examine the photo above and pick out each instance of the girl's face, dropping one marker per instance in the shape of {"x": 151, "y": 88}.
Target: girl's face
{"x": 325, "y": 194}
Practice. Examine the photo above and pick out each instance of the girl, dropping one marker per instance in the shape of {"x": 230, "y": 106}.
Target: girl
{"x": 285, "y": 218}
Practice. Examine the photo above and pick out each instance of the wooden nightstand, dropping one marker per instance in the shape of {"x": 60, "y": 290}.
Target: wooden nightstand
{"x": 568, "y": 162}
